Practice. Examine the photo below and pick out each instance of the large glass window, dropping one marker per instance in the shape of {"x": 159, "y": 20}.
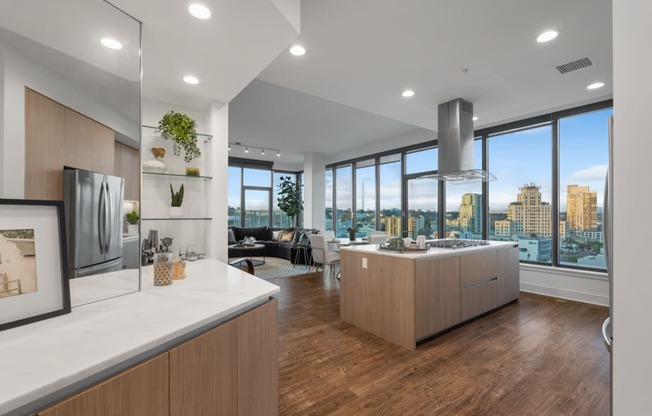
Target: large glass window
{"x": 421, "y": 161}
{"x": 422, "y": 208}
{"x": 390, "y": 195}
{"x": 329, "y": 199}
{"x": 343, "y": 200}
{"x": 520, "y": 200}
{"x": 256, "y": 204}
{"x": 279, "y": 218}
{"x": 234, "y": 195}
{"x": 257, "y": 177}
{"x": 583, "y": 161}
{"x": 464, "y": 215}
{"x": 365, "y": 200}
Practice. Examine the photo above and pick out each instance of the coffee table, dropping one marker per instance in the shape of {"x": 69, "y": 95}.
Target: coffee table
{"x": 248, "y": 250}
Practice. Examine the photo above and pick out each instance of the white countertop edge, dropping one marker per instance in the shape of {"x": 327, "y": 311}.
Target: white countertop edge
{"x": 204, "y": 299}
{"x": 432, "y": 253}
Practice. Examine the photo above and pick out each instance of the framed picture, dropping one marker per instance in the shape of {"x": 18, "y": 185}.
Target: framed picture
{"x": 33, "y": 262}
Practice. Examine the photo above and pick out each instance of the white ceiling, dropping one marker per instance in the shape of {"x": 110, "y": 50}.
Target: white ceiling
{"x": 363, "y": 54}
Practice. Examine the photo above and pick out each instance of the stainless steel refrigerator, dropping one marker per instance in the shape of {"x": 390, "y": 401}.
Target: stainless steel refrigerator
{"x": 607, "y": 228}
{"x": 93, "y": 207}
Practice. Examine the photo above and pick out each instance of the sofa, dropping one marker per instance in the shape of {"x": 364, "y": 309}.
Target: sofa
{"x": 279, "y": 242}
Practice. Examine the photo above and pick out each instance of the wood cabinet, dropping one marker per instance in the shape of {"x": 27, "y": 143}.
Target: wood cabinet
{"x": 140, "y": 391}
{"x": 56, "y": 136}
{"x": 407, "y": 299}
{"x": 127, "y": 165}
{"x": 229, "y": 370}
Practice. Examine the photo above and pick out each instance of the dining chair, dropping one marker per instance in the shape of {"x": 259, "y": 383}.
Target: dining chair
{"x": 321, "y": 255}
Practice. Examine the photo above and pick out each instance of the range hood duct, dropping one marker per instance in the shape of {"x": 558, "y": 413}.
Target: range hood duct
{"x": 455, "y": 142}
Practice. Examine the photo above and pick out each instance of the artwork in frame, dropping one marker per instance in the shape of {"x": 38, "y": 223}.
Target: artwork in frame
{"x": 33, "y": 262}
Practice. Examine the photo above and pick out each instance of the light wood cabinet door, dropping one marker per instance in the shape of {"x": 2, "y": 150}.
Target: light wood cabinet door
{"x": 449, "y": 269}
{"x": 140, "y": 391}
{"x": 87, "y": 144}
{"x": 203, "y": 374}
{"x": 508, "y": 275}
{"x": 479, "y": 284}
{"x": 258, "y": 361}
{"x": 44, "y": 132}
{"x": 127, "y": 166}
{"x": 427, "y": 293}
{"x": 126, "y": 155}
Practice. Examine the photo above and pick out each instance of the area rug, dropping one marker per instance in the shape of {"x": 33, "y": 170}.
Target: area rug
{"x": 274, "y": 267}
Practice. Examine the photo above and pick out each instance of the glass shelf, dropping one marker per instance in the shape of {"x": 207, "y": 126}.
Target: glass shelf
{"x": 179, "y": 176}
{"x": 177, "y": 219}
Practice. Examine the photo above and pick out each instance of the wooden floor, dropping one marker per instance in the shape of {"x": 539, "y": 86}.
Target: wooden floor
{"x": 540, "y": 356}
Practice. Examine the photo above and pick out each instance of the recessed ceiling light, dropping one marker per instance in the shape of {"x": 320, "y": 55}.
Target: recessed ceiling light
{"x": 199, "y": 11}
{"x": 111, "y": 43}
{"x": 297, "y": 50}
{"x": 407, "y": 93}
{"x": 547, "y": 36}
{"x": 595, "y": 86}
{"x": 190, "y": 79}
{"x": 475, "y": 118}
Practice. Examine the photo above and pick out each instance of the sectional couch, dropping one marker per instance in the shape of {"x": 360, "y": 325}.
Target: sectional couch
{"x": 279, "y": 242}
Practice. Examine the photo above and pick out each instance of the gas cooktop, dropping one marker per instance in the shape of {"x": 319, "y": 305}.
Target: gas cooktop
{"x": 457, "y": 243}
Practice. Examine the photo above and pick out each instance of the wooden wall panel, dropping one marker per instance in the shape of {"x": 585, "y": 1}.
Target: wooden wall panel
{"x": 140, "y": 391}
{"x": 126, "y": 156}
{"x": 44, "y": 133}
{"x": 257, "y": 344}
{"x": 77, "y": 146}
{"x": 203, "y": 374}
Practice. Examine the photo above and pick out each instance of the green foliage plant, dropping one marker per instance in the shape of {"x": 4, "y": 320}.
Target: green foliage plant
{"x": 289, "y": 198}
{"x": 182, "y": 130}
{"x": 132, "y": 217}
{"x": 177, "y": 197}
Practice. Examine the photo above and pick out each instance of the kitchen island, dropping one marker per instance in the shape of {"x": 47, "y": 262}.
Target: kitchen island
{"x": 410, "y": 296}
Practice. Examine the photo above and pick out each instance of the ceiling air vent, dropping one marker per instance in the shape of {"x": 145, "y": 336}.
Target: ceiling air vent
{"x": 574, "y": 65}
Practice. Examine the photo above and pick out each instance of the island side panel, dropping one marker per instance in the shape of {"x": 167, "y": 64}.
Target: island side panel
{"x": 380, "y": 298}
{"x": 427, "y": 294}
{"x": 450, "y": 297}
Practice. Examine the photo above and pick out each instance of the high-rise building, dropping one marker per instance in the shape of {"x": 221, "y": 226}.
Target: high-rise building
{"x": 392, "y": 226}
{"x": 528, "y": 216}
{"x": 582, "y": 208}
{"x": 470, "y": 218}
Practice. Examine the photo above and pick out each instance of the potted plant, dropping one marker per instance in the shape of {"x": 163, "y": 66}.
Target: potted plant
{"x": 175, "y": 204}
{"x": 182, "y": 130}
{"x": 352, "y": 231}
{"x": 289, "y": 198}
{"x": 132, "y": 222}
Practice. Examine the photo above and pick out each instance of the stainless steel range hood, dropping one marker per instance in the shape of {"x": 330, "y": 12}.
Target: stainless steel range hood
{"x": 455, "y": 142}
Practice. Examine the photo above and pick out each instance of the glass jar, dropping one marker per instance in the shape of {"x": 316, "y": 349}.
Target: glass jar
{"x": 178, "y": 269}
{"x": 162, "y": 269}
{"x": 191, "y": 254}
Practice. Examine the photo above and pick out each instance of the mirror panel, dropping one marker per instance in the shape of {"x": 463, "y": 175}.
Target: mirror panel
{"x": 68, "y": 100}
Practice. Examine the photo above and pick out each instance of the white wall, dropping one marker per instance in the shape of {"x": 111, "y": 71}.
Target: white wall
{"x": 314, "y": 191}
{"x": 632, "y": 284}
{"x": 581, "y": 286}
{"x": 20, "y": 72}
{"x": 219, "y": 116}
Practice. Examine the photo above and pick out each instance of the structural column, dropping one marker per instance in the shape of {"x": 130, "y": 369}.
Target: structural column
{"x": 314, "y": 190}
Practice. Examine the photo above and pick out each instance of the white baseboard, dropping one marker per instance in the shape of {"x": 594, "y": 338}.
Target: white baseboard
{"x": 566, "y": 294}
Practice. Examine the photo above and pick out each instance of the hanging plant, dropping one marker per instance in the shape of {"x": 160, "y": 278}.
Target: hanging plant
{"x": 182, "y": 130}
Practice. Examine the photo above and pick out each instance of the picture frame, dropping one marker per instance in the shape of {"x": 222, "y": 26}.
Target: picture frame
{"x": 33, "y": 262}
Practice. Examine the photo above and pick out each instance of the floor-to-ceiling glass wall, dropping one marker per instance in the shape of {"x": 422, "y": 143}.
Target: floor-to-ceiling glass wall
{"x": 343, "y": 200}
{"x": 421, "y": 194}
{"x": 257, "y": 197}
{"x": 520, "y": 199}
{"x": 234, "y": 197}
{"x": 583, "y": 162}
{"x": 464, "y": 212}
{"x": 365, "y": 197}
{"x": 329, "y": 199}
{"x": 390, "y": 194}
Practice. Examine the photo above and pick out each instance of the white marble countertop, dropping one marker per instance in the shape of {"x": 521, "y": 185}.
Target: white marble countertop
{"x": 432, "y": 253}
{"x": 45, "y": 357}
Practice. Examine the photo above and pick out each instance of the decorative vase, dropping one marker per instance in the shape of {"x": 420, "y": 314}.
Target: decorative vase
{"x": 176, "y": 212}
{"x": 352, "y": 236}
{"x": 154, "y": 166}
{"x": 132, "y": 228}
{"x": 162, "y": 269}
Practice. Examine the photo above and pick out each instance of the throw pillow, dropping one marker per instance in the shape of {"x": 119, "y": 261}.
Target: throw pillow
{"x": 304, "y": 240}
{"x": 231, "y": 237}
{"x": 276, "y": 235}
{"x": 286, "y": 236}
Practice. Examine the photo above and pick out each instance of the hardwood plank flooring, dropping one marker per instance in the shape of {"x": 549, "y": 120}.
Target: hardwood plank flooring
{"x": 539, "y": 356}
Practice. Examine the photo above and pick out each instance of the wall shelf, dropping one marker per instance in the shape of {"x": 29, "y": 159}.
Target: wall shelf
{"x": 178, "y": 176}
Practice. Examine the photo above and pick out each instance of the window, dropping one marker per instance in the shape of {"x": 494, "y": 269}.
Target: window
{"x": 343, "y": 200}
{"x": 365, "y": 200}
{"x": 464, "y": 209}
{"x": 279, "y": 218}
{"x": 329, "y": 200}
{"x": 520, "y": 199}
{"x": 390, "y": 195}
{"x": 583, "y": 161}
{"x": 421, "y": 161}
{"x": 234, "y": 195}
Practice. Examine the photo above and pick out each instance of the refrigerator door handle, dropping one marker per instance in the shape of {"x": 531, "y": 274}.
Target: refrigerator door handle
{"x": 605, "y": 329}
{"x": 101, "y": 221}
{"x": 109, "y": 215}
